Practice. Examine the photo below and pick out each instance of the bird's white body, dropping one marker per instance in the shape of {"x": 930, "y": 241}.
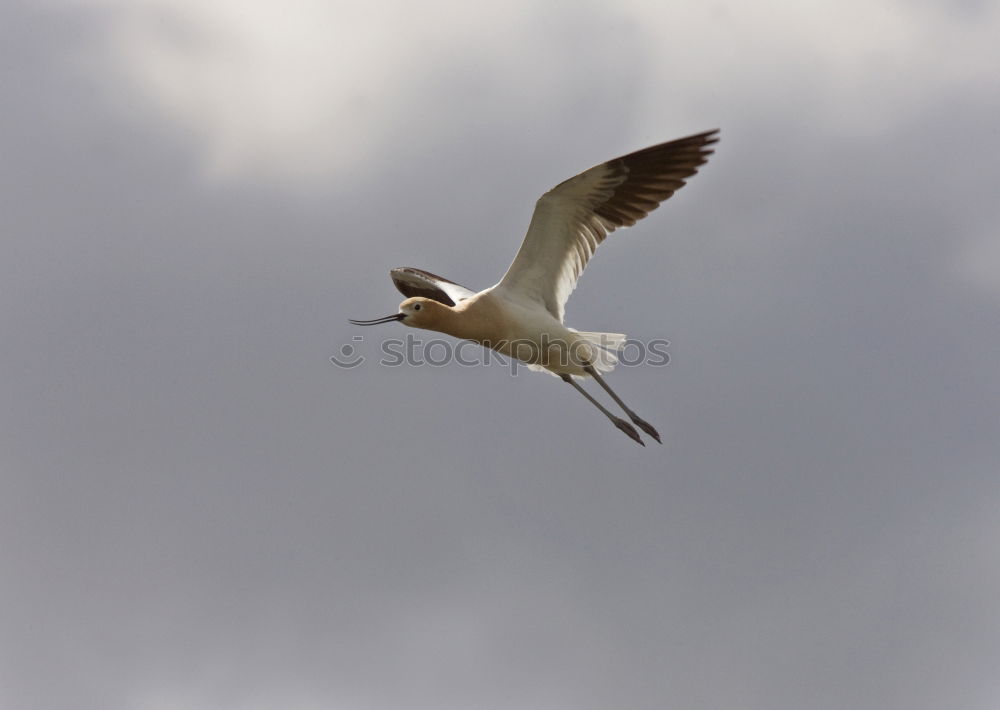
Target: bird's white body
{"x": 522, "y": 329}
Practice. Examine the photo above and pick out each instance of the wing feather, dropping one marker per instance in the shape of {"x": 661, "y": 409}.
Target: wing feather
{"x": 572, "y": 219}
{"x": 416, "y": 282}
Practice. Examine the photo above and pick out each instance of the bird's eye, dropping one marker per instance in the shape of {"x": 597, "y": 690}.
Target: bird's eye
{"x": 416, "y": 306}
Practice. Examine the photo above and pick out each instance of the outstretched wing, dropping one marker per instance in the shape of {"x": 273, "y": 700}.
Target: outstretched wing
{"x": 573, "y": 218}
{"x": 415, "y": 282}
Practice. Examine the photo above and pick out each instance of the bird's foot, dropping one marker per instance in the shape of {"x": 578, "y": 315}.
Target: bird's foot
{"x": 646, "y": 427}
{"x": 629, "y": 430}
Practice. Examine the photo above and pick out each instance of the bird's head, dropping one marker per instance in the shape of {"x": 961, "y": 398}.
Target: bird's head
{"x": 416, "y": 312}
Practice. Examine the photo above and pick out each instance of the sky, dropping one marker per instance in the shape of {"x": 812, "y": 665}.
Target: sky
{"x": 200, "y": 511}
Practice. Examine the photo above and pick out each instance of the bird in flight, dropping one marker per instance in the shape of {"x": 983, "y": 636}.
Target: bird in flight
{"x": 522, "y": 315}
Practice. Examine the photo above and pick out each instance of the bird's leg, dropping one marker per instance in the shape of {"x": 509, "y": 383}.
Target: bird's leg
{"x": 636, "y": 419}
{"x": 617, "y": 421}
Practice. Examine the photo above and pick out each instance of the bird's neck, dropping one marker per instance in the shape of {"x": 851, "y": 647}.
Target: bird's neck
{"x": 475, "y": 319}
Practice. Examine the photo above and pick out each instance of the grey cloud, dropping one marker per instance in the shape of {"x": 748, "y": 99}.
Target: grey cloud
{"x": 198, "y": 508}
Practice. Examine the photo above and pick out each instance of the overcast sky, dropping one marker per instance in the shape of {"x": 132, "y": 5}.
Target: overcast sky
{"x": 199, "y": 511}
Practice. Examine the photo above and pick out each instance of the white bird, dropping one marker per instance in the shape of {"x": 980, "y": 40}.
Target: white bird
{"x": 522, "y": 315}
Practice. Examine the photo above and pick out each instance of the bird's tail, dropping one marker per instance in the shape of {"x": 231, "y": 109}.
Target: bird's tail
{"x": 608, "y": 344}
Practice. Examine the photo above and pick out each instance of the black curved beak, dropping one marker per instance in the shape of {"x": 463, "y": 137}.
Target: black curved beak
{"x": 376, "y": 321}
